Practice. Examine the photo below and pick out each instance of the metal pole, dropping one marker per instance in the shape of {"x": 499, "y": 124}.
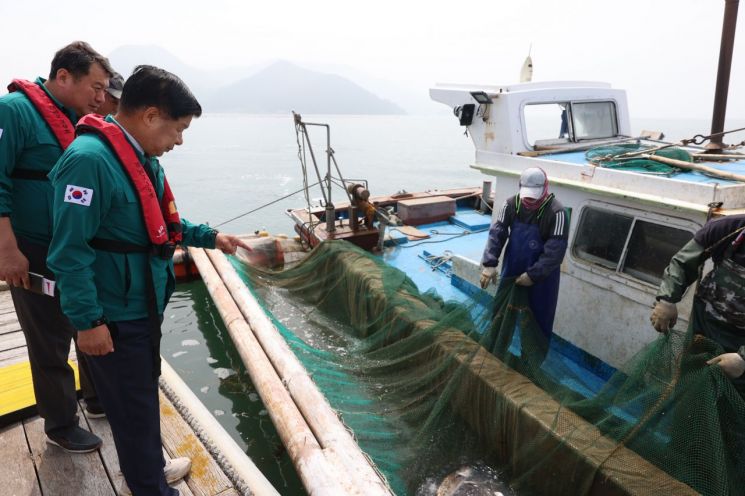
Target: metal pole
{"x": 726, "y": 48}
{"x": 485, "y": 195}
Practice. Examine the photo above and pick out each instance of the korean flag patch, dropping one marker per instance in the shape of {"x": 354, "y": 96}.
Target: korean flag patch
{"x": 78, "y": 194}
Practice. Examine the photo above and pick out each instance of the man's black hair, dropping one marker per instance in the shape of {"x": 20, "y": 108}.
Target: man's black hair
{"x": 150, "y": 86}
{"x": 77, "y": 58}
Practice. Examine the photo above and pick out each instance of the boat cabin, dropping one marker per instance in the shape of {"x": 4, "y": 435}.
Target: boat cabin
{"x": 625, "y": 225}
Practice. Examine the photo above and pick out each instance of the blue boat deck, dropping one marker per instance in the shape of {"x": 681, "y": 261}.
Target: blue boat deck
{"x": 737, "y": 167}
{"x": 428, "y": 263}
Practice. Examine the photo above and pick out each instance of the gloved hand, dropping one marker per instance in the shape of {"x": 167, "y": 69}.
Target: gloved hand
{"x": 488, "y": 276}
{"x": 524, "y": 280}
{"x": 664, "y": 316}
{"x": 732, "y": 364}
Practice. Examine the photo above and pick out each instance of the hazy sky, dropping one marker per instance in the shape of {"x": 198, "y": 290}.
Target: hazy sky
{"x": 663, "y": 52}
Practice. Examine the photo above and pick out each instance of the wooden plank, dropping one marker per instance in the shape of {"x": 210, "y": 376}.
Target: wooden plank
{"x": 11, "y": 357}
{"x": 18, "y": 476}
{"x": 8, "y": 318}
{"x": 206, "y": 477}
{"x": 100, "y": 427}
{"x": 12, "y": 340}
{"x": 181, "y": 485}
{"x": 65, "y": 473}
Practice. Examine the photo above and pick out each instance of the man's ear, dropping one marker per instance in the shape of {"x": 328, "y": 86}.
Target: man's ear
{"x": 63, "y": 77}
{"x": 150, "y": 116}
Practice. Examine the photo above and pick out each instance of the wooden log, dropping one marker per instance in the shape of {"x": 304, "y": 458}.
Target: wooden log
{"x": 710, "y": 171}
{"x": 322, "y": 419}
{"x": 306, "y": 454}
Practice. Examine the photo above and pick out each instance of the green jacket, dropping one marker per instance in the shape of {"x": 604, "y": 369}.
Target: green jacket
{"x": 681, "y": 272}
{"x": 95, "y": 283}
{"x": 27, "y": 142}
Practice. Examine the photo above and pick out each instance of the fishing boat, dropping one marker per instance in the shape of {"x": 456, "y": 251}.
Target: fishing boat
{"x": 608, "y": 409}
{"x": 378, "y": 302}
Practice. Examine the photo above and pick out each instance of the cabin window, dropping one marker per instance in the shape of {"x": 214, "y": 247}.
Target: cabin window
{"x": 551, "y": 124}
{"x": 594, "y": 120}
{"x": 627, "y": 244}
{"x": 651, "y": 246}
{"x": 546, "y": 123}
{"x": 601, "y": 236}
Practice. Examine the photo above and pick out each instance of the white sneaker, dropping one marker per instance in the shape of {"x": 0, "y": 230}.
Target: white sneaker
{"x": 175, "y": 470}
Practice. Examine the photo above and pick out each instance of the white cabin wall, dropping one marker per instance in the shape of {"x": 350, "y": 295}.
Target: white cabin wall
{"x": 603, "y": 312}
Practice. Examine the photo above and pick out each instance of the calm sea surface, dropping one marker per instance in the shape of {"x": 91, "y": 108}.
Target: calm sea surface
{"x": 232, "y": 163}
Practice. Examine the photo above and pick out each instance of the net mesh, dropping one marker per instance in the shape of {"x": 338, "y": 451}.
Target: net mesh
{"x": 617, "y": 157}
{"x": 428, "y": 386}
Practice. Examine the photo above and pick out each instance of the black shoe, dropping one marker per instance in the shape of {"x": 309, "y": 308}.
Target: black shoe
{"x": 94, "y": 410}
{"x": 75, "y": 440}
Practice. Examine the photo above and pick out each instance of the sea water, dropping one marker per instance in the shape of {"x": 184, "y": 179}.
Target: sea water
{"x": 233, "y": 163}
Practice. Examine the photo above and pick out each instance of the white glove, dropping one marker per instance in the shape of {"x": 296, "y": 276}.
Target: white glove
{"x": 732, "y": 364}
{"x": 524, "y": 280}
{"x": 488, "y": 276}
{"x": 664, "y": 316}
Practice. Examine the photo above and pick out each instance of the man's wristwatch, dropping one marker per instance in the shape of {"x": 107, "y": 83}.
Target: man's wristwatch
{"x": 741, "y": 352}
{"x": 99, "y": 322}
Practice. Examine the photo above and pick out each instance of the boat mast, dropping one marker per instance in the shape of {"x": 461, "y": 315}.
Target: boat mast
{"x": 723, "y": 73}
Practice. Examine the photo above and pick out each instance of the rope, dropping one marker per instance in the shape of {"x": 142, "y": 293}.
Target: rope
{"x": 466, "y": 232}
{"x": 436, "y": 261}
{"x": 213, "y": 449}
{"x": 305, "y": 188}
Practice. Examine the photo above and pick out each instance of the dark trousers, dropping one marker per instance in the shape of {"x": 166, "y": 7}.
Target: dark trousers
{"x": 48, "y": 334}
{"x": 129, "y": 395}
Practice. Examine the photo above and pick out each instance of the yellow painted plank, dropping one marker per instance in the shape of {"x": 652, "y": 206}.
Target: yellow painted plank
{"x": 16, "y": 389}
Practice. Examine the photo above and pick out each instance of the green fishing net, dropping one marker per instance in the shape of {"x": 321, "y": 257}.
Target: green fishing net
{"x": 428, "y": 386}
{"x": 617, "y": 157}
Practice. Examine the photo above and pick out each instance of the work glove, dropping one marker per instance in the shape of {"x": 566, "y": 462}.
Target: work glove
{"x": 664, "y": 316}
{"x": 488, "y": 276}
{"x": 732, "y": 364}
{"x": 524, "y": 280}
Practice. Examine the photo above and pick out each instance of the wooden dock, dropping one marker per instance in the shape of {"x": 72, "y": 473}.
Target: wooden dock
{"x": 31, "y": 466}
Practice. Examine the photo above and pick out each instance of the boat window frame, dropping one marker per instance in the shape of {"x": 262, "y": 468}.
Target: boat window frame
{"x": 682, "y": 224}
{"x": 572, "y": 139}
{"x": 616, "y": 127}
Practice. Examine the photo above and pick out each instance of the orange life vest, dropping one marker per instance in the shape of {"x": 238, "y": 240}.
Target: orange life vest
{"x": 161, "y": 217}
{"x": 59, "y": 123}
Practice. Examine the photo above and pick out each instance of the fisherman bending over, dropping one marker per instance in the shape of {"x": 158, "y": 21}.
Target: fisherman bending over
{"x": 718, "y": 311}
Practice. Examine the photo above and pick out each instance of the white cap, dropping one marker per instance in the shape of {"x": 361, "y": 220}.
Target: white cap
{"x": 532, "y": 183}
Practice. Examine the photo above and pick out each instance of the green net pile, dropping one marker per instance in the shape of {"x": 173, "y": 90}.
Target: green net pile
{"x": 614, "y": 157}
{"x": 429, "y": 386}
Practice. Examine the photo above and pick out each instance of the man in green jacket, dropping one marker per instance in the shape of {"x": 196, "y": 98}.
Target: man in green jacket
{"x": 719, "y": 304}
{"x": 36, "y": 124}
{"x": 115, "y": 227}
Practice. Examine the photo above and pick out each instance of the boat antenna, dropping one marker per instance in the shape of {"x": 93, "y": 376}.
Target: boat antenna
{"x": 726, "y": 48}
{"x": 526, "y": 74}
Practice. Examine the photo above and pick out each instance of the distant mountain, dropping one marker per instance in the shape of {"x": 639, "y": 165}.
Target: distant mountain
{"x": 276, "y": 87}
{"x": 203, "y": 83}
{"x": 282, "y": 87}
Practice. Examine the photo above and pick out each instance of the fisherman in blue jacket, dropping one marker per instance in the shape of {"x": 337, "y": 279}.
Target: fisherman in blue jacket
{"x": 537, "y": 227}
